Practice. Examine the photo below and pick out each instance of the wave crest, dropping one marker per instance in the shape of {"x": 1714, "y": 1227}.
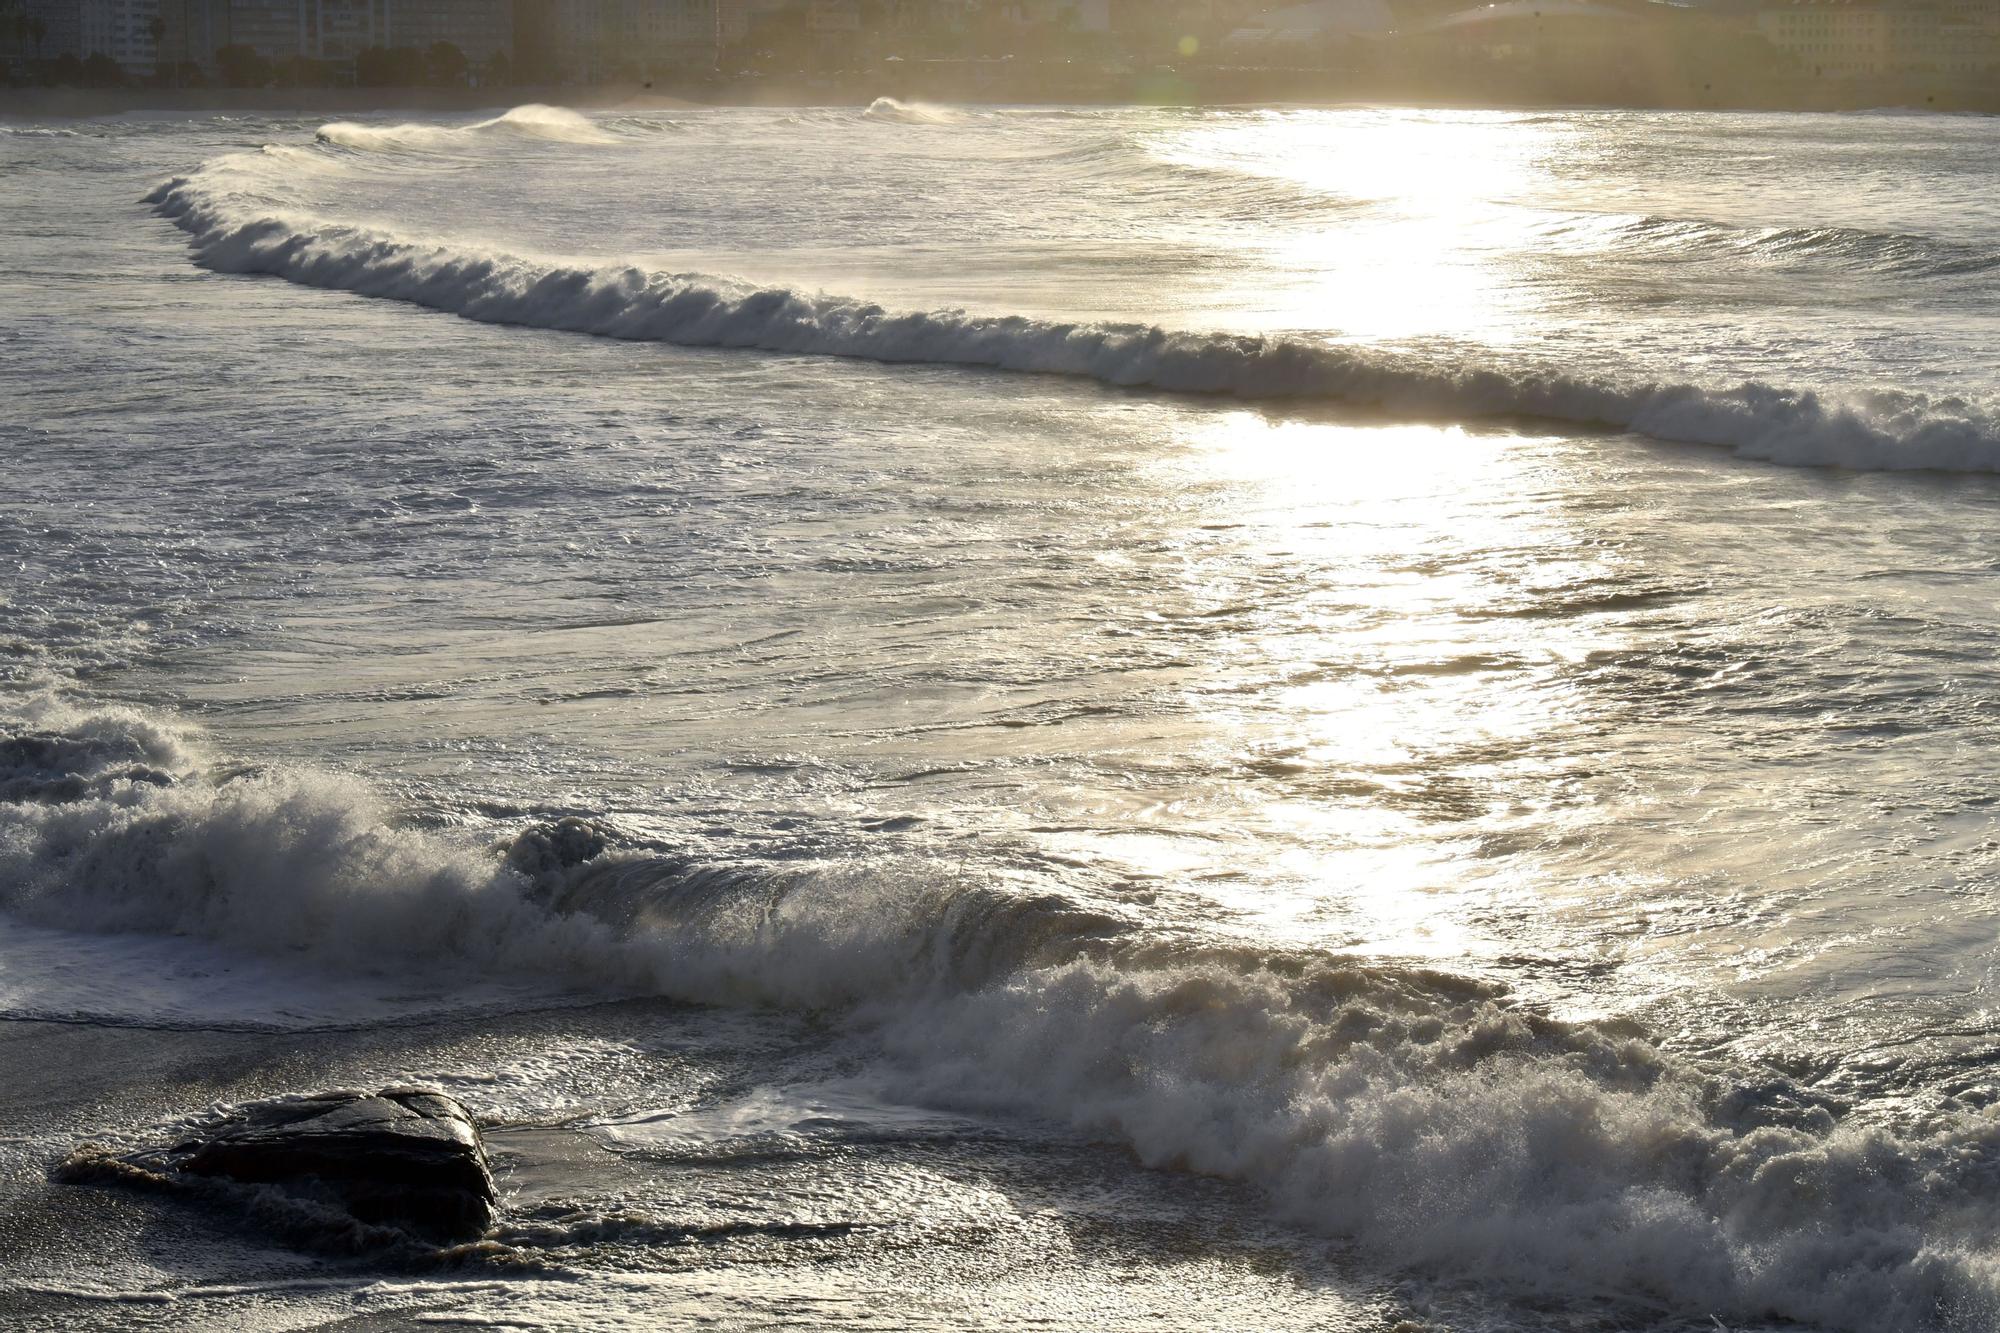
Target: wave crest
{"x": 1447, "y": 1131}
{"x": 1869, "y": 431}
{"x": 910, "y": 113}
{"x": 550, "y": 123}
{"x": 1429, "y": 1117}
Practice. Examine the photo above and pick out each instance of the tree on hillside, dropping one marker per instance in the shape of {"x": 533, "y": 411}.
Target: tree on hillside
{"x": 101, "y": 71}
{"x": 445, "y": 65}
{"x": 156, "y": 28}
{"x": 535, "y": 64}
{"x": 242, "y": 67}
{"x": 385, "y": 67}
{"x": 305, "y": 72}
{"x": 38, "y": 32}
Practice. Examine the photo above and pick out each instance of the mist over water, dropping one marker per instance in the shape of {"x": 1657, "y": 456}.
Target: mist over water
{"x": 1261, "y": 655}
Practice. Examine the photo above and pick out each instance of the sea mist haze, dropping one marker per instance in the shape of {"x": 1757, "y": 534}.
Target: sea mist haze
{"x": 945, "y": 717}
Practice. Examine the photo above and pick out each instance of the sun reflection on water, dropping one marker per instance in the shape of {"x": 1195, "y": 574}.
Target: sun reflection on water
{"x": 1436, "y": 251}
{"x": 1379, "y": 705}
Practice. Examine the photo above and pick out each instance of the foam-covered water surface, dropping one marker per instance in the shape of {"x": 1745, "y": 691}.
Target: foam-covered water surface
{"x": 1006, "y": 717}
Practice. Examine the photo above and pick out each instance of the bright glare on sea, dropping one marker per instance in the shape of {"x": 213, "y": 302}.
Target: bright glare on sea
{"x": 1197, "y": 718}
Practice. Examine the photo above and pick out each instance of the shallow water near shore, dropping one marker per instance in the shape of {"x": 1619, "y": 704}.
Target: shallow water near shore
{"x": 1187, "y": 718}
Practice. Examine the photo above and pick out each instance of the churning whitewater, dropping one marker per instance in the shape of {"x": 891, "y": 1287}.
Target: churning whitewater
{"x": 1305, "y": 804}
{"x": 1425, "y": 1115}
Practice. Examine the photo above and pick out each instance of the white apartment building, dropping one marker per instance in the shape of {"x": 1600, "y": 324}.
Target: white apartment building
{"x": 330, "y": 29}
{"x": 599, "y": 41}
{"x": 480, "y": 28}
{"x": 274, "y": 29}
{"x": 121, "y": 29}
{"x": 738, "y": 17}
{"x": 342, "y": 29}
{"x": 62, "y": 24}
{"x": 1857, "y": 39}
{"x": 279, "y": 29}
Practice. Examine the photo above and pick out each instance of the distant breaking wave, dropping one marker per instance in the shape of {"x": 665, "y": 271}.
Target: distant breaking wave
{"x": 553, "y": 123}
{"x": 1428, "y": 1117}
{"x": 910, "y": 113}
{"x": 239, "y": 233}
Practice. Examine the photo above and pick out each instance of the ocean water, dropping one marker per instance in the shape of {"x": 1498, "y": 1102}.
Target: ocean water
{"x": 943, "y": 717}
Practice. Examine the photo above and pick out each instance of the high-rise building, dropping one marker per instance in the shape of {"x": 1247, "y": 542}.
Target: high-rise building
{"x": 598, "y": 41}
{"x": 341, "y": 29}
{"x": 1840, "y": 39}
{"x": 193, "y": 31}
{"x": 274, "y": 29}
{"x": 335, "y": 30}
{"x": 121, "y": 29}
{"x": 481, "y": 29}
{"x": 61, "y": 26}
{"x": 736, "y": 19}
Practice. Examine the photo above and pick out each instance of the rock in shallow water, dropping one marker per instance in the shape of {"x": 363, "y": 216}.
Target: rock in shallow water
{"x": 404, "y": 1159}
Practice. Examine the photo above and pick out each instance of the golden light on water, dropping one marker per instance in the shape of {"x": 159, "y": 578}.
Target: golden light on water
{"x": 1411, "y": 157}
{"x": 1435, "y": 254}
{"x": 1378, "y": 686}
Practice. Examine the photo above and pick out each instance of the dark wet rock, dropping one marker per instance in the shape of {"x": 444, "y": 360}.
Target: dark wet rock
{"x": 402, "y": 1162}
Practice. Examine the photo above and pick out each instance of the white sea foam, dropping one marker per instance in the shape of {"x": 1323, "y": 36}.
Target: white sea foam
{"x": 235, "y": 212}
{"x": 1429, "y": 1117}
{"x": 1444, "y": 1129}
{"x": 113, "y": 822}
{"x": 910, "y": 113}
{"x": 553, "y": 123}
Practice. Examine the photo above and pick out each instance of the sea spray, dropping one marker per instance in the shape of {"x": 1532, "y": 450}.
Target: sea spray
{"x": 551, "y": 123}
{"x": 1431, "y": 1118}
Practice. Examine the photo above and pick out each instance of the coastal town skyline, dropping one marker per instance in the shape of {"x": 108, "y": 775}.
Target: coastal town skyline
{"x": 1737, "y": 50}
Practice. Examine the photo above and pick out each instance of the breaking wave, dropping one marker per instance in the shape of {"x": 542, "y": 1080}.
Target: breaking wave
{"x": 552, "y": 123}
{"x": 114, "y": 821}
{"x": 1431, "y": 1118}
{"x": 910, "y": 113}
{"x": 237, "y": 231}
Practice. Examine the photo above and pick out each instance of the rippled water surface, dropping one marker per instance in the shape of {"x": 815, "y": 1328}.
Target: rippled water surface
{"x": 1201, "y": 718}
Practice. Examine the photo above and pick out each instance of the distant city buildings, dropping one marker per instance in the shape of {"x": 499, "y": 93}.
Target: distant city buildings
{"x": 141, "y": 36}
{"x": 121, "y": 29}
{"x": 275, "y": 30}
{"x": 339, "y": 30}
{"x": 1842, "y": 39}
{"x": 1807, "y": 42}
{"x": 482, "y": 29}
{"x": 598, "y": 41}
{"x": 737, "y": 19}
